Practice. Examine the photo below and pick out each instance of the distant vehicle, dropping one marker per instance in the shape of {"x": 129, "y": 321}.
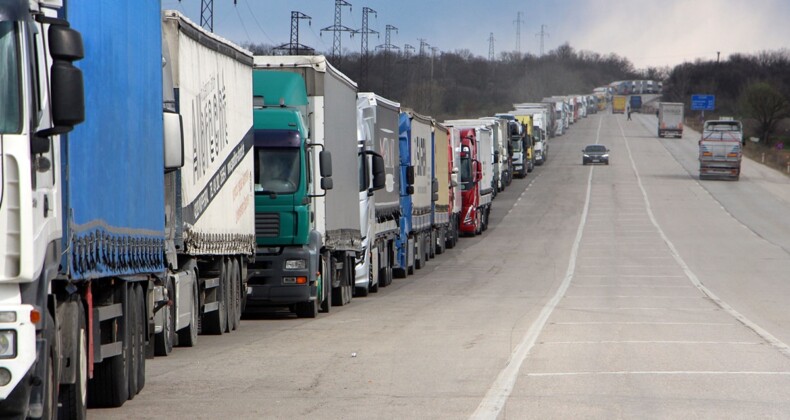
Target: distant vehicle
{"x": 636, "y": 103}
{"x": 595, "y": 153}
{"x": 670, "y": 119}
{"x": 618, "y": 104}
{"x": 720, "y": 149}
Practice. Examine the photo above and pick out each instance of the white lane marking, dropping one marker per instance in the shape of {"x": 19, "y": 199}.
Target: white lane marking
{"x": 626, "y": 308}
{"x": 620, "y": 258}
{"x": 494, "y": 401}
{"x": 642, "y": 323}
{"x": 640, "y": 276}
{"x": 632, "y": 296}
{"x": 643, "y": 286}
{"x": 662, "y": 373}
{"x": 767, "y": 336}
{"x": 622, "y": 266}
{"x": 734, "y": 343}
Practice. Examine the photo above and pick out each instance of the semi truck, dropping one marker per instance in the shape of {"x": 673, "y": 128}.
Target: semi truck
{"x": 209, "y": 209}
{"x": 670, "y": 119}
{"x": 720, "y": 150}
{"x": 503, "y": 163}
{"x": 444, "y": 219}
{"x": 516, "y": 134}
{"x": 526, "y": 120}
{"x": 618, "y": 104}
{"x": 106, "y": 235}
{"x": 378, "y": 120}
{"x": 455, "y": 203}
{"x": 476, "y": 175}
{"x": 329, "y": 239}
{"x": 635, "y": 102}
{"x": 416, "y": 192}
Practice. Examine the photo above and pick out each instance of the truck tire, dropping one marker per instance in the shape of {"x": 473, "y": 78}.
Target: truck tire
{"x": 239, "y": 294}
{"x": 73, "y": 398}
{"x": 226, "y": 294}
{"x": 419, "y": 253}
{"x": 432, "y": 244}
{"x": 214, "y": 322}
{"x": 132, "y": 350}
{"x": 163, "y": 341}
{"x": 478, "y": 222}
{"x": 142, "y": 321}
{"x": 233, "y": 290}
{"x": 187, "y": 336}
{"x": 342, "y": 294}
{"x": 307, "y": 309}
{"x": 326, "y": 283}
{"x": 109, "y": 386}
{"x": 50, "y": 409}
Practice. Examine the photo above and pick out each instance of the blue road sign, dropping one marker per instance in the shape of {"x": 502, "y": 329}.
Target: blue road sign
{"x": 703, "y": 102}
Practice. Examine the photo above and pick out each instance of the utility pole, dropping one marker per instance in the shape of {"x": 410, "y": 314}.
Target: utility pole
{"x": 294, "y": 47}
{"x": 338, "y": 29}
{"x": 542, "y": 34}
{"x": 365, "y": 31}
{"x": 518, "y": 23}
{"x": 718, "y": 53}
{"x": 491, "y": 47}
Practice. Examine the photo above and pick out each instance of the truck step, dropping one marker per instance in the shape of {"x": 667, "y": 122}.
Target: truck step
{"x": 212, "y": 282}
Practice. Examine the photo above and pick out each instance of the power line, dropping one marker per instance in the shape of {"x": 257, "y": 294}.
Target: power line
{"x": 338, "y": 28}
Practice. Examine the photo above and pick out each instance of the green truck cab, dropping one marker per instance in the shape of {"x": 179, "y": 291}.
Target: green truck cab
{"x": 285, "y": 272}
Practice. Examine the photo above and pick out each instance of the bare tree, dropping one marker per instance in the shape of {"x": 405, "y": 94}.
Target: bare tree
{"x": 766, "y": 105}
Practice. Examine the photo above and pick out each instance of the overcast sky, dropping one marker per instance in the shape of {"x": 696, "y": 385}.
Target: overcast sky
{"x": 647, "y": 32}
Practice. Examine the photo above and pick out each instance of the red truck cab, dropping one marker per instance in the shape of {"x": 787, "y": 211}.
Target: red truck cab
{"x": 471, "y": 174}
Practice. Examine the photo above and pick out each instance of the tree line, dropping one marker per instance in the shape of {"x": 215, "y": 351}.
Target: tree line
{"x": 459, "y": 84}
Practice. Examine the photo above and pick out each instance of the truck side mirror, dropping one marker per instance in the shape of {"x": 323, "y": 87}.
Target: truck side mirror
{"x": 174, "y": 141}
{"x": 68, "y": 93}
{"x": 410, "y": 190}
{"x": 379, "y": 175}
{"x": 325, "y": 163}
{"x": 410, "y": 175}
{"x": 479, "y": 167}
{"x": 454, "y": 180}
{"x": 496, "y": 156}
{"x": 326, "y": 183}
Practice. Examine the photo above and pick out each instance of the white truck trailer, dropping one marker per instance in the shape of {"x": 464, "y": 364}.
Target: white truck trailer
{"x": 670, "y": 119}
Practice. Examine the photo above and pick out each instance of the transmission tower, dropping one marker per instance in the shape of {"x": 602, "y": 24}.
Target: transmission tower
{"x": 542, "y": 34}
{"x": 491, "y": 47}
{"x": 388, "y": 45}
{"x": 423, "y": 45}
{"x": 294, "y": 47}
{"x": 207, "y": 14}
{"x": 518, "y": 23}
{"x": 338, "y": 28}
{"x": 407, "y": 48}
{"x": 365, "y": 31}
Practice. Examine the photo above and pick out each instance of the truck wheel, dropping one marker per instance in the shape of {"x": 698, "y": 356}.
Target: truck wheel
{"x": 142, "y": 319}
{"x": 214, "y": 322}
{"x": 73, "y": 398}
{"x": 239, "y": 293}
{"x": 187, "y": 336}
{"x": 307, "y": 309}
{"x": 50, "y": 390}
{"x": 326, "y": 284}
{"x": 110, "y": 386}
{"x": 233, "y": 291}
{"x": 163, "y": 341}
{"x": 478, "y": 223}
{"x": 419, "y": 253}
{"x": 132, "y": 345}
{"x": 227, "y": 292}
{"x": 432, "y": 245}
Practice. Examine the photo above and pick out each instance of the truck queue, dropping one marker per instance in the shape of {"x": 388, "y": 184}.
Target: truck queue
{"x": 221, "y": 183}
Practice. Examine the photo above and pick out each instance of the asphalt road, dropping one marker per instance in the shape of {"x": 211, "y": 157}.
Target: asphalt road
{"x": 624, "y": 291}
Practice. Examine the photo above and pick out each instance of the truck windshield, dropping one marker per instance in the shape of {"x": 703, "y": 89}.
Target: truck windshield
{"x": 10, "y": 103}
{"x": 277, "y": 170}
{"x": 466, "y": 174}
{"x": 516, "y": 145}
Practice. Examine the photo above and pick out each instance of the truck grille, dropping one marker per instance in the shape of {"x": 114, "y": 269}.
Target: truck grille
{"x": 267, "y": 225}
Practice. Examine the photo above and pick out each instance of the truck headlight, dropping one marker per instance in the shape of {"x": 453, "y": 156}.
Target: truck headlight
{"x": 295, "y": 264}
{"x": 7, "y": 316}
{"x": 7, "y": 344}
